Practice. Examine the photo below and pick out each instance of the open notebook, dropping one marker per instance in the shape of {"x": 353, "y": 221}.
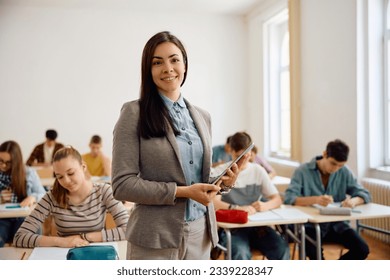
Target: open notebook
{"x": 57, "y": 253}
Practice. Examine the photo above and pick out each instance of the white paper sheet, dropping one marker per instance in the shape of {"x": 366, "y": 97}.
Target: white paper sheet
{"x": 57, "y": 253}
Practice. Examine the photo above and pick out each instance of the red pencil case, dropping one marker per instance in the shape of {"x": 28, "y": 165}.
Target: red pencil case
{"x": 232, "y": 216}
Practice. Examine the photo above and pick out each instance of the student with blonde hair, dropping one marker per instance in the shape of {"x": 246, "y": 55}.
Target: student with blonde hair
{"x": 77, "y": 206}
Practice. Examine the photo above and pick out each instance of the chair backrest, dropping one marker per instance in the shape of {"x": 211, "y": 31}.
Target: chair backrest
{"x": 45, "y": 172}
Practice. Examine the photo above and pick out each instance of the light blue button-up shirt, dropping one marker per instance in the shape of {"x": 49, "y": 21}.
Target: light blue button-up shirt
{"x": 191, "y": 151}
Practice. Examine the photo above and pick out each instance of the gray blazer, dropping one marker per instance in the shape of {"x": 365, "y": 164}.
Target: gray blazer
{"x": 147, "y": 171}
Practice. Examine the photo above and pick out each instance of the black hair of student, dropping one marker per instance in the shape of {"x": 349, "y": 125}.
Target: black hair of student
{"x": 155, "y": 120}
{"x": 338, "y": 150}
{"x": 58, "y": 191}
{"x": 17, "y": 170}
{"x": 239, "y": 141}
{"x": 96, "y": 139}
{"x": 51, "y": 134}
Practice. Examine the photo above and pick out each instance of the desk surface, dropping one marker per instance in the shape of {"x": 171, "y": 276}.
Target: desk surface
{"x": 20, "y": 213}
{"x": 13, "y": 253}
{"x": 288, "y": 215}
{"x": 368, "y": 211}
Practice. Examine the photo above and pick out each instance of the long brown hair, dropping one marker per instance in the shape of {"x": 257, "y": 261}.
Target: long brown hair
{"x": 58, "y": 191}
{"x": 17, "y": 170}
{"x": 155, "y": 120}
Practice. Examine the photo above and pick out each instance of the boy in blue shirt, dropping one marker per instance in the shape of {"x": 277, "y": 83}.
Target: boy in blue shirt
{"x": 323, "y": 180}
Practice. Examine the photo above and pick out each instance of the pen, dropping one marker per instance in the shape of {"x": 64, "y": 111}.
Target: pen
{"x": 23, "y": 255}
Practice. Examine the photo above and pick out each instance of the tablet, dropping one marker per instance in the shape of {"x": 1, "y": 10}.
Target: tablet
{"x": 233, "y": 162}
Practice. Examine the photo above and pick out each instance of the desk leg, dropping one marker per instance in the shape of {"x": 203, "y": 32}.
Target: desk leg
{"x": 228, "y": 244}
{"x": 302, "y": 252}
{"x": 318, "y": 241}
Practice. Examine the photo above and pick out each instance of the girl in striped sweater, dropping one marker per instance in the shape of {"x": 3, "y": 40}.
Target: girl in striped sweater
{"x": 78, "y": 207}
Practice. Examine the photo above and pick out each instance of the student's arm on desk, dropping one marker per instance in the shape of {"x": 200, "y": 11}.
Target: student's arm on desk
{"x": 274, "y": 201}
{"x": 322, "y": 200}
{"x": 352, "y": 202}
{"x": 219, "y": 204}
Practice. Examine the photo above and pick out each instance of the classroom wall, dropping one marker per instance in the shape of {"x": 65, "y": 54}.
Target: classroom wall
{"x": 329, "y": 93}
{"x": 70, "y": 65}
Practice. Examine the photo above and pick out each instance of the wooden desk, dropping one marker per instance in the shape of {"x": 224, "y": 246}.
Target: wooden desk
{"x": 13, "y": 253}
{"x": 367, "y": 211}
{"x": 287, "y": 215}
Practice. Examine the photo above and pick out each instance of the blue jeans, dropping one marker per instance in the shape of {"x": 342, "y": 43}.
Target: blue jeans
{"x": 264, "y": 239}
{"x": 8, "y": 228}
{"x": 350, "y": 239}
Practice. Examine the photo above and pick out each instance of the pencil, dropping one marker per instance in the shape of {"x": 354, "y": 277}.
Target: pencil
{"x": 23, "y": 255}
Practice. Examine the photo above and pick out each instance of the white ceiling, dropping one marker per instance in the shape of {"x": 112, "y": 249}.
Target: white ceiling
{"x": 231, "y": 7}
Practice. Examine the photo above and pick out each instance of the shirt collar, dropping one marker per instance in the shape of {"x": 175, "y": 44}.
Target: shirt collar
{"x": 313, "y": 162}
{"x": 169, "y": 103}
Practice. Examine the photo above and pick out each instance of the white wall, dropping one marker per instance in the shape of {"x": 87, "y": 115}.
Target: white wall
{"x": 329, "y": 75}
{"x": 329, "y": 95}
{"x": 70, "y": 65}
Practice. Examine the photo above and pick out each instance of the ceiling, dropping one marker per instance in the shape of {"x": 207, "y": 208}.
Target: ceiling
{"x": 228, "y": 7}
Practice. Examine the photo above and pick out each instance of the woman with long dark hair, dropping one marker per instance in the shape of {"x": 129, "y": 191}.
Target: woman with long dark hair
{"x": 18, "y": 184}
{"x": 162, "y": 160}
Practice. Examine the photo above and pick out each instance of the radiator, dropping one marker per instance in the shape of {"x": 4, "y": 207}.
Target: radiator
{"x": 380, "y": 193}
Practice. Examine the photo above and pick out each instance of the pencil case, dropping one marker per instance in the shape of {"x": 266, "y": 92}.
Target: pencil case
{"x": 93, "y": 252}
{"x": 232, "y": 216}
{"x": 335, "y": 211}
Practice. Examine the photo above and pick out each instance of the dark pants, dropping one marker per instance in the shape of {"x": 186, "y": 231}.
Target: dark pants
{"x": 265, "y": 239}
{"x": 8, "y": 228}
{"x": 349, "y": 238}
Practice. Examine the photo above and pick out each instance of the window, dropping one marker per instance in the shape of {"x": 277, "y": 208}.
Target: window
{"x": 277, "y": 85}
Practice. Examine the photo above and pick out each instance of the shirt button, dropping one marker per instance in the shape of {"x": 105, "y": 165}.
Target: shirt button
{"x": 193, "y": 205}
{"x": 191, "y": 162}
{"x": 192, "y": 182}
{"x": 183, "y": 128}
{"x": 189, "y": 143}
{"x": 174, "y": 104}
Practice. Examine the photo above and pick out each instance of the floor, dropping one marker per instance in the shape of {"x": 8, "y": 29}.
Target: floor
{"x": 378, "y": 251}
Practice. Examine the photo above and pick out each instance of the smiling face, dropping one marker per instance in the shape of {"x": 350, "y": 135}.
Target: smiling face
{"x": 69, "y": 173}
{"x": 168, "y": 69}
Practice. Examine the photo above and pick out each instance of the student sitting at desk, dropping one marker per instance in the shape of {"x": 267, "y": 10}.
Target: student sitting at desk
{"x": 18, "y": 183}
{"x": 43, "y": 153}
{"x": 77, "y": 206}
{"x": 253, "y": 184}
{"x": 98, "y": 164}
{"x": 323, "y": 180}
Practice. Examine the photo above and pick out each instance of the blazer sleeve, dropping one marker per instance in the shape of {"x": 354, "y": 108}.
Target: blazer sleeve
{"x": 127, "y": 181}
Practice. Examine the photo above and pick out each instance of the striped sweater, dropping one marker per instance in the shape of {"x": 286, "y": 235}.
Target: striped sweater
{"x": 87, "y": 217}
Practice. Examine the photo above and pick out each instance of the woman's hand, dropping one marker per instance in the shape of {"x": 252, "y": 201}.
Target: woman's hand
{"x": 6, "y": 195}
{"x": 73, "y": 241}
{"x": 28, "y": 201}
{"x": 202, "y": 193}
{"x": 229, "y": 179}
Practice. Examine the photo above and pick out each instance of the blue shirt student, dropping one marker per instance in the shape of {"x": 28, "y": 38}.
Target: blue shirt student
{"x": 306, "y": 181}
{"x": 191, "y": 152}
